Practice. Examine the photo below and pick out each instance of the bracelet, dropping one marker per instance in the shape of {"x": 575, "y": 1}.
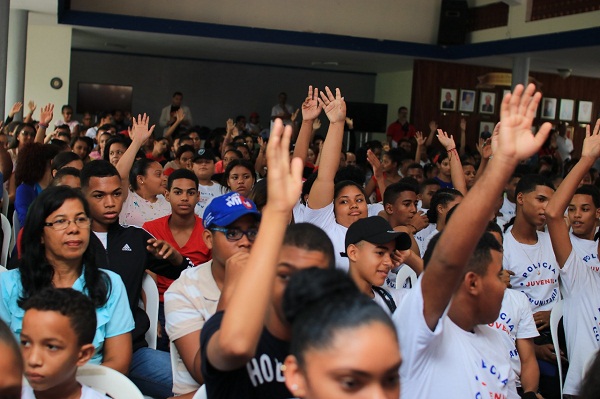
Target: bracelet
{"x": 451, "y": 149}
{"x": 42, "y": 125}
{"x": 416, "y": 230}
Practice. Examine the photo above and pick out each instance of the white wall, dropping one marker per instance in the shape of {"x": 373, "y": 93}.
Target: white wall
{"x": 48, "y": 56}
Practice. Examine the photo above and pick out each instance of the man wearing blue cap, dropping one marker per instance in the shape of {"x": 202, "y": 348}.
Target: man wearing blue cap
{"x": 230, "y": 227}
{"x": 370, "y": 245}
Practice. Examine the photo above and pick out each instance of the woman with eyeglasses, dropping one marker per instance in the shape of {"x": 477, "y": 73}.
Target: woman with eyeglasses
{"x": 56, "y": 254}
{"x": 23, "y": 135}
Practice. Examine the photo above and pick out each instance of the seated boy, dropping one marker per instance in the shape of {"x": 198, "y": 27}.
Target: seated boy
{"x": 58, "y": 330}
{"x": 370, "y": 246}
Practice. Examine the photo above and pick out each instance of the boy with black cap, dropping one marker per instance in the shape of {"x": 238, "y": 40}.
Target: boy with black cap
{"x": 370, "y": 245}
{"x": 204, "y": 168}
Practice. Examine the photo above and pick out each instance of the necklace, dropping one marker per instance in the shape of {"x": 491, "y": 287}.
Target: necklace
{"x": 525, "y": 252}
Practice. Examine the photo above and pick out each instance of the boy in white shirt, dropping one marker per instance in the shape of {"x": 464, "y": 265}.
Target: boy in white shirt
{"x": 370, "y": 246}
{"x": 204, "y": 168}
{"x": 580, "y": 284}
{"x": 583, "y": 213}
{"x": 58, "y": 329}
{"x": 447, "y": 349}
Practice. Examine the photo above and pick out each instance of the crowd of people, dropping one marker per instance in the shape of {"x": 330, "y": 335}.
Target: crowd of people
{"x": 277, "y": 256}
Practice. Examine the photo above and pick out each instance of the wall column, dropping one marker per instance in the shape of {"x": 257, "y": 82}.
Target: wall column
{"x": 15, "y": 66}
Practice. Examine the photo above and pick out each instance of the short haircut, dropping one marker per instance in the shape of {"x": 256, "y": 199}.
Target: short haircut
{"x": 311, "y": 238}
{"x": 77, "y": 307}
{"x": 480, "y": 258}
{"x": 8, "y": 339}
{"x": 237, "y": 153}
{"x": 183, "y": 149}
{"x": 99, "y": 168}
{"x": 443, "y": 196}
{"x": 396, "y": 155}
{"x": 415, "y": 165}
{"x": 60, "y": 173}
{"x": 528, "y": 183}
{"x": 63, "y": 158}
{"x": 428, "y": 182}
{"x": 65, "y": 107}
{"x": 592, "y": 191}
{"x": 178, "y": 93}
{"x": 393, "y": 191}
{"x": 182, "y": 174}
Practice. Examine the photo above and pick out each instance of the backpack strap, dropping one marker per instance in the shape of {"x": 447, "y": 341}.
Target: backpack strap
{"x": 387, "y": 298}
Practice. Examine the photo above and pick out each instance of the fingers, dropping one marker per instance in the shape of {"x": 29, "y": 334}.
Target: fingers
{"x": 597, "y": 127}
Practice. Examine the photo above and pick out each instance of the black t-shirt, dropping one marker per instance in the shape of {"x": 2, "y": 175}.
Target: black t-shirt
{"x": 261, "y": 377}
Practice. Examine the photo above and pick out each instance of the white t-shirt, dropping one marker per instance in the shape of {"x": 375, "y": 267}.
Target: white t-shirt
{"x": 587, "y": 250}
{"x": 86, "y": 393}
{"x": 396, "y": 294}
{"x": 92, "y": 132}
{"x": 535, "y": 268}
{"x": 508, "y": 210}
{"x": 137, "y": 211}
{"x": 581, "y": 310}
{"x": 565, "y": 147}
{"x": 325, "y": 219}
{"x": 207, "y": 194}
{"x": 189, "y": 302}
{"x": 515, "y": 321}
{"x": 424, "y": 236}
{"x": 449, "y": 362}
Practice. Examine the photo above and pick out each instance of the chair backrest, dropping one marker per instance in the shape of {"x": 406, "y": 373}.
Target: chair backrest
{"x": 108, "y": 381}
{"x": 405, "y": 273}
{"x": 555, "y": 316}
{"x": 7, "y": 237}
{"x": 151, "y": 308}
{"x": 201, "y": 393}
{"x": 5, "y": 201}
{"x": 16, "y": 226}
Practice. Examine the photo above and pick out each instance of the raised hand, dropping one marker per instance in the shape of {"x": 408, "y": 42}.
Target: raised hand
{"x": 295, "y": 115}
{"x": 433, "y": 126}
{"x": 350, "y": 123}
{"x": 179, "y": 115}
{"x": 316, "y": 124}
{"x": 445, "y": 140}
{"x": 484, "y": 147}
{"x": 311, "y": 107}
{"x": 335, "y": 106}
{"x": 230, "y": 126}
{"x": 591, "y": 143}
{"x": 375, "y": 164}
{"x": 420, "y": 139}
{"x": 31, "y": 105}
{"x": 463, "y": 124}
{"x": 284, "y": 180}
{"x": 46, "y": 114}
{"x": 516, "y": 141}
{"x": 139, "y": 129}
{"x": 15, "y": 109}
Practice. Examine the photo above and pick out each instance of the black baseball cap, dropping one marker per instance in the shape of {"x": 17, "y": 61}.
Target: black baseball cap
{"x": 376, "y": 230}
{"x": 204, "y": 153}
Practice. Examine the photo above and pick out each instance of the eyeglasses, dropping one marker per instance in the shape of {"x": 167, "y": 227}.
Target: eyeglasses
{"x": 235, "y": 234}
{"x": 83, "y": 222}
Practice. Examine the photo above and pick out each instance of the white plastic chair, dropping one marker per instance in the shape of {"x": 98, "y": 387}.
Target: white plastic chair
{"x": 5, "y": 201}
{"x": 555, "y": 315}
{"x": 403, "y": 274}
{"x": 151, "y": 291}
{"x": 7, "y": 232}
{"x": 201, "y": 393}
{"x": 108, "y": 381}
{"x": 16, "y": 226}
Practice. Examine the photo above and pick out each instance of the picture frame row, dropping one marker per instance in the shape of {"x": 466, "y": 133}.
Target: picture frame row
{"x": 467, "y": 103}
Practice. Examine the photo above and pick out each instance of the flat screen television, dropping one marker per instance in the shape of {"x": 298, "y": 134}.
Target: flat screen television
{"x": 368, "y": 117}
{"x": 97, "y": 97}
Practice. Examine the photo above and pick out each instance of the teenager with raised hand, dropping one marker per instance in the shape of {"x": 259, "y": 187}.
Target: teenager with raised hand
{"x": 333, "y": 353}
{"x": 251, "y": 335}
{"x": 451, "y": 174}
{"x": 579, "y": 284}
{"x": 446, "y": 350}
{"x": 334, "y": 207}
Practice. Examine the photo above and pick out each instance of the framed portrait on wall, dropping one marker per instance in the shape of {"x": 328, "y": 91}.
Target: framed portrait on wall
{"x": 549, "y": 108}
{"x": 485, "y": 129}
{"x": 566, "y": 109}
{"x": 584, "y": 112}
{"x": 467, "y": 101}
{"x": 488, "y": 102}
{"x": 448, "y": 100}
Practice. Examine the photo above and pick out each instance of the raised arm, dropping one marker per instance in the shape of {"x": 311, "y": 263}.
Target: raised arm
{"x": 311, "y": 109}
{"x": 433, "y": 126}
{"x": 46, "y": 115}
{"x": 515, "y": 143}
{"x": 235, "y": 342}
{"x": 377, "y": 173}
{"x": 321, "y": 193}
{"x": 179, "y": 117}
{"x": 555, "y": 210}
{"x": 463, "y": 137}
{"x": 420, "y": 147}
{"x": 139, "y": 134}
{"x": 457, "y": 174}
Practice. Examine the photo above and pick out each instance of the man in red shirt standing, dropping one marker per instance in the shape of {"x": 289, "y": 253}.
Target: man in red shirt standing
{"x": 401, "y": 128}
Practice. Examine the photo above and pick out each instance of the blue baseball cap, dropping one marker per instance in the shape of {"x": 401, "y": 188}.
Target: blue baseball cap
{"x": 227, "y": 208}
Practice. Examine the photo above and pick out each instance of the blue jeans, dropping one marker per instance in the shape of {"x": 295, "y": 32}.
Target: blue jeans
{"x": 151, "y": 372}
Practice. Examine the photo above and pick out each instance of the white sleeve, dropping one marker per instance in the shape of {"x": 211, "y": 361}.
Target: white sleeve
{"x": 374, "y": 209}
{"x": 573, "y": 275}
{"x": 323, "y": 218}
{"x": 526, "y": 327}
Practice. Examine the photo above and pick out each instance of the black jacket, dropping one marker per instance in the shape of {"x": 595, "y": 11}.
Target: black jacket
{"x": 127, "y": 256}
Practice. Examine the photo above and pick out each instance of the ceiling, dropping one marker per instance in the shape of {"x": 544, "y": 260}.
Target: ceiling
{"x": 584, "y": 61}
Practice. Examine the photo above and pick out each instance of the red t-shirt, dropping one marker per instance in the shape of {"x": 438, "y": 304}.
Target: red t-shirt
{"x": 195, "y": 248}
{"x": 397, "y": 132}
